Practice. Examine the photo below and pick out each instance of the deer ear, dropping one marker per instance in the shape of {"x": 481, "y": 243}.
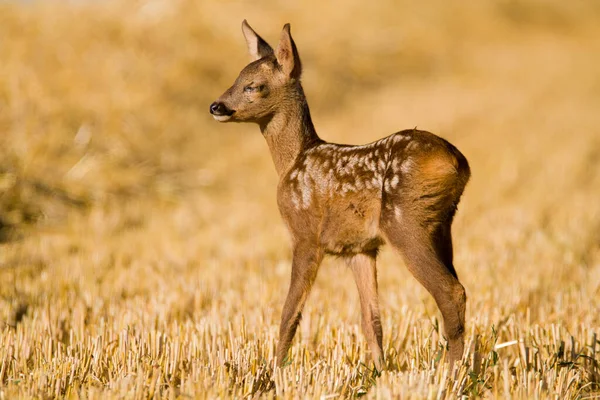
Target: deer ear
{"x": 287, "y": 54}
{"x": 257, "y": 47}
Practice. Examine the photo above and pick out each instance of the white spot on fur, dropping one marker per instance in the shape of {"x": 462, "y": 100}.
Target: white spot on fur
{"x": 306, "y": 190}
{"x": 406, "y": 165}
{"x": 294, "y": 175}
{"x": 346, "y": 187}
{"x": 397, "y": 212}
{"x": 400, "y": 138}
{"x": 353, "y": 160}
{"x": 376, "y": 181}
{"x": 372, "y": 225}
{"x": 295, "y": 199}
{"x": 358, "y": 183}
{"x": 331, "y": 176}
{"x": 412, "y": 145}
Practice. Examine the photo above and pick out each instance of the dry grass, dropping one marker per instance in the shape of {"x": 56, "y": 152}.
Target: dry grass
{"x": 143, "y": 254}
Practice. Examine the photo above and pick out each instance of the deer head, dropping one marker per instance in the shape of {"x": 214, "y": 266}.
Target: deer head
{"x": 265, "y": 85}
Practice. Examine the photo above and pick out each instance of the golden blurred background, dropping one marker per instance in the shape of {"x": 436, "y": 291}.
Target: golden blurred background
{"x": 125, "y": 208}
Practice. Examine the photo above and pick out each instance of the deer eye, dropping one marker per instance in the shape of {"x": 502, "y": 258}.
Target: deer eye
{"x": 252, "y": 89}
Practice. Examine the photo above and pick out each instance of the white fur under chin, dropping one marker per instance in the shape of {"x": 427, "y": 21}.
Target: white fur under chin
{"x": 221, "y": 118}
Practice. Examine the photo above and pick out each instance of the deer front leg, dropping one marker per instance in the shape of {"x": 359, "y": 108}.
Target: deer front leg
{"x": 364, "y": 268}
{"x": 305, "y": 264}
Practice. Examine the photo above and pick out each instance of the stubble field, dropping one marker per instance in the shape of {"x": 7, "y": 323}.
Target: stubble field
{"x": 141, "y": 251}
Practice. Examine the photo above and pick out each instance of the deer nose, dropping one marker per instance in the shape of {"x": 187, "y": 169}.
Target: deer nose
{"x": 218, "y": 108}
{"x": 214, "y": 107}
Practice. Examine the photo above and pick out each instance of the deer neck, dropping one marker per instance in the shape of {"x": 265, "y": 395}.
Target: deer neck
{"x": 289, "y": 131}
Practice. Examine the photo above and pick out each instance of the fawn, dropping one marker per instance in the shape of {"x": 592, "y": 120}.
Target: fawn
{"x": 348, "y": 200}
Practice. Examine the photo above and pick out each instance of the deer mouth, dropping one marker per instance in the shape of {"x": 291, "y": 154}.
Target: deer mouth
{"x": 222, "y": 118}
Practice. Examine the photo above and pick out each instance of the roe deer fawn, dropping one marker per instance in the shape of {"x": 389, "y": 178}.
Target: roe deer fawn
{"x": 347, "y": 200}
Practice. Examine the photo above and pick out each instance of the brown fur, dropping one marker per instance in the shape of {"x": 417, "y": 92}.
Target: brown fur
{"x": 349, "y": 200}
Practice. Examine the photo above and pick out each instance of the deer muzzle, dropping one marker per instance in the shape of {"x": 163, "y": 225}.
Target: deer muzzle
{"x": 220, "y": 111}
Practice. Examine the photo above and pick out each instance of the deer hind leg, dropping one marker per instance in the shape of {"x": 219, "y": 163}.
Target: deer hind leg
{"x": 305, "y": 265}
{"x": 427, "y": 251}
{"x": 364, "y": 269}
